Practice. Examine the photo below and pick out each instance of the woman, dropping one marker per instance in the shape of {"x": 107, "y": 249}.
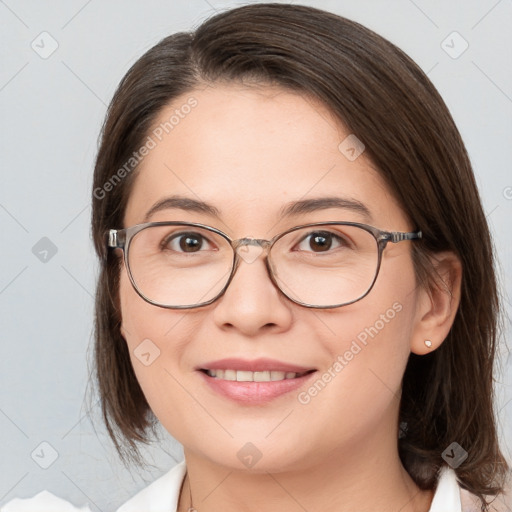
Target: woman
{"x": 270, "y": 117}
{"x": 296, "y": 274}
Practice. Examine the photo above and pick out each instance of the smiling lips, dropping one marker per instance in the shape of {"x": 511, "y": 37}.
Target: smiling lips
{"x": 253, "y": 382}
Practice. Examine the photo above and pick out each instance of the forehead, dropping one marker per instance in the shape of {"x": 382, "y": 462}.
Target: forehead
{"x": 249, "y": 151}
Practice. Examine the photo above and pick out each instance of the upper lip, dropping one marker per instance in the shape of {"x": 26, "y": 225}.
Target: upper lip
{"x": 256, "y": 365}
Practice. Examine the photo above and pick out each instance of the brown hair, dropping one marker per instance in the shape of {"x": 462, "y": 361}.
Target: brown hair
{"x": 383, "y": 98}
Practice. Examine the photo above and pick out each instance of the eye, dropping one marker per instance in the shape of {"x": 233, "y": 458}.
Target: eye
{"x": 321, "y": 241}
{"x": 185, "y": 242}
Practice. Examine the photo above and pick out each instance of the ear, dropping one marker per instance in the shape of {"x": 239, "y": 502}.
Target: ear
{"x": 437, "y": 305}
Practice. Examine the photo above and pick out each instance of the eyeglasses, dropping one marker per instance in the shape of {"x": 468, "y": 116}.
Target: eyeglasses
{"x": 181, "y": 265}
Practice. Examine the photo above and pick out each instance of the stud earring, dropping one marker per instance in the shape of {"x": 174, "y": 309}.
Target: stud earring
{"x": 428, "y": 343}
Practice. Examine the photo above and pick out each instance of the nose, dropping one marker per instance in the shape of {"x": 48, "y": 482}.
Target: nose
{"x": 252, "y": 303}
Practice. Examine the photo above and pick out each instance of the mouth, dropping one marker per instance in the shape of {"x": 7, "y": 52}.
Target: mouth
{"x": 251, "y": 388}
{"x": 254, "y": 382}
{"x": 257, "y": 376}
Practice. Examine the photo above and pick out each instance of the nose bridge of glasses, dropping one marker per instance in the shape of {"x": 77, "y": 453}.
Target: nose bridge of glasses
{"x": 250, "y": 249}
{"x": 258, "y": 242}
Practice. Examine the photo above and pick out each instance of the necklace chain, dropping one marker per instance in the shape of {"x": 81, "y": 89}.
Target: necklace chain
{"x": 191, "y": 508}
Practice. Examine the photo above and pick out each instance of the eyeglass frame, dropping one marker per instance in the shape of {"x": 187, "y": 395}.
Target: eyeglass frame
{"x": 121, "y": 239}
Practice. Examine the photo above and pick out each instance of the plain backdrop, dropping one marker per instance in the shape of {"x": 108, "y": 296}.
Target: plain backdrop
{"x": 60, "y": 63}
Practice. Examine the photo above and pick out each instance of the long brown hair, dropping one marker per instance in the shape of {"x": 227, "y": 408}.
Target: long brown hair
{"x": 382, "y": 97}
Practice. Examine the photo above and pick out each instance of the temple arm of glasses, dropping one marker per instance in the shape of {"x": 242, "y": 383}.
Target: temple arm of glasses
{"x": 397, "y": 236}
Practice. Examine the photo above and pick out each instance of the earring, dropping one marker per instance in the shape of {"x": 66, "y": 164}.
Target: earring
{"x": 428, "y": 343}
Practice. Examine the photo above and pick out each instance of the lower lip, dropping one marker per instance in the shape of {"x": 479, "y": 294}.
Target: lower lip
{"x": 254, "y": 392}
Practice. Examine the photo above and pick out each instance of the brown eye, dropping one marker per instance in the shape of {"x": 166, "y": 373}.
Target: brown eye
{"x": 320, "y": 241}
{"x": 185, "y": 242}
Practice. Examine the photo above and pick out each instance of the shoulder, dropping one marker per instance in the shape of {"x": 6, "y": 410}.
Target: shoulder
{"x": 41, "y": 502}
{"x": 160, "y": 496}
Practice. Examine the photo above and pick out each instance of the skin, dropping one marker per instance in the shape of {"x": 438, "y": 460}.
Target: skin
{"x": 248, "y": 151}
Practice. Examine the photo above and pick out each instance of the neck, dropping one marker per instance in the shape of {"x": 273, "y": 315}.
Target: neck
{"x": 341, "y": 482}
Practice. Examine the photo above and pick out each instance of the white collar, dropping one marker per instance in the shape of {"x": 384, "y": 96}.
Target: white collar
{"x": 163, "y": 494}
{"x": 160, "y": 496}
{"x": 447, "y": 495}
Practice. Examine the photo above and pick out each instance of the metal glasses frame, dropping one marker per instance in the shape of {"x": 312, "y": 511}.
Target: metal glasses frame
{"x": 121, "y": 239}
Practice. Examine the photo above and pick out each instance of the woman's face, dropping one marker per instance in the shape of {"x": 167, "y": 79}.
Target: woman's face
{"x": 250, "y": 152}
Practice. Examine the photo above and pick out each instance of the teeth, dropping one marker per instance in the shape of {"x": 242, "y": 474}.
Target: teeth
{"x": 245, "y": 376}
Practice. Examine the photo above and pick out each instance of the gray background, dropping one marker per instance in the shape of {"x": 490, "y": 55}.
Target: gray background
{"x": 51, "y": 112}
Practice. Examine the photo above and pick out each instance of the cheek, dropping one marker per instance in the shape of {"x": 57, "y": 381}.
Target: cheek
{"x": 133, "y": 322}
{"x": 389, "y": 317}
{"x": 370, "y": 352}
{"x": 356, "y": 395}
{"x": 141, "y": 320}
{"x": 372, "y": 338}
{"x": 150, "y": 335}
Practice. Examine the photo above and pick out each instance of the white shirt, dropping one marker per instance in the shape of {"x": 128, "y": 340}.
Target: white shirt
{"x": 162, "y": 496}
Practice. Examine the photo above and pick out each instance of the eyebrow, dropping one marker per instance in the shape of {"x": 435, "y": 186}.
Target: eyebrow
{"x": 182, "y": 203}
{"x": 300, "y": 207}
{"x": 323, "y": 203}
